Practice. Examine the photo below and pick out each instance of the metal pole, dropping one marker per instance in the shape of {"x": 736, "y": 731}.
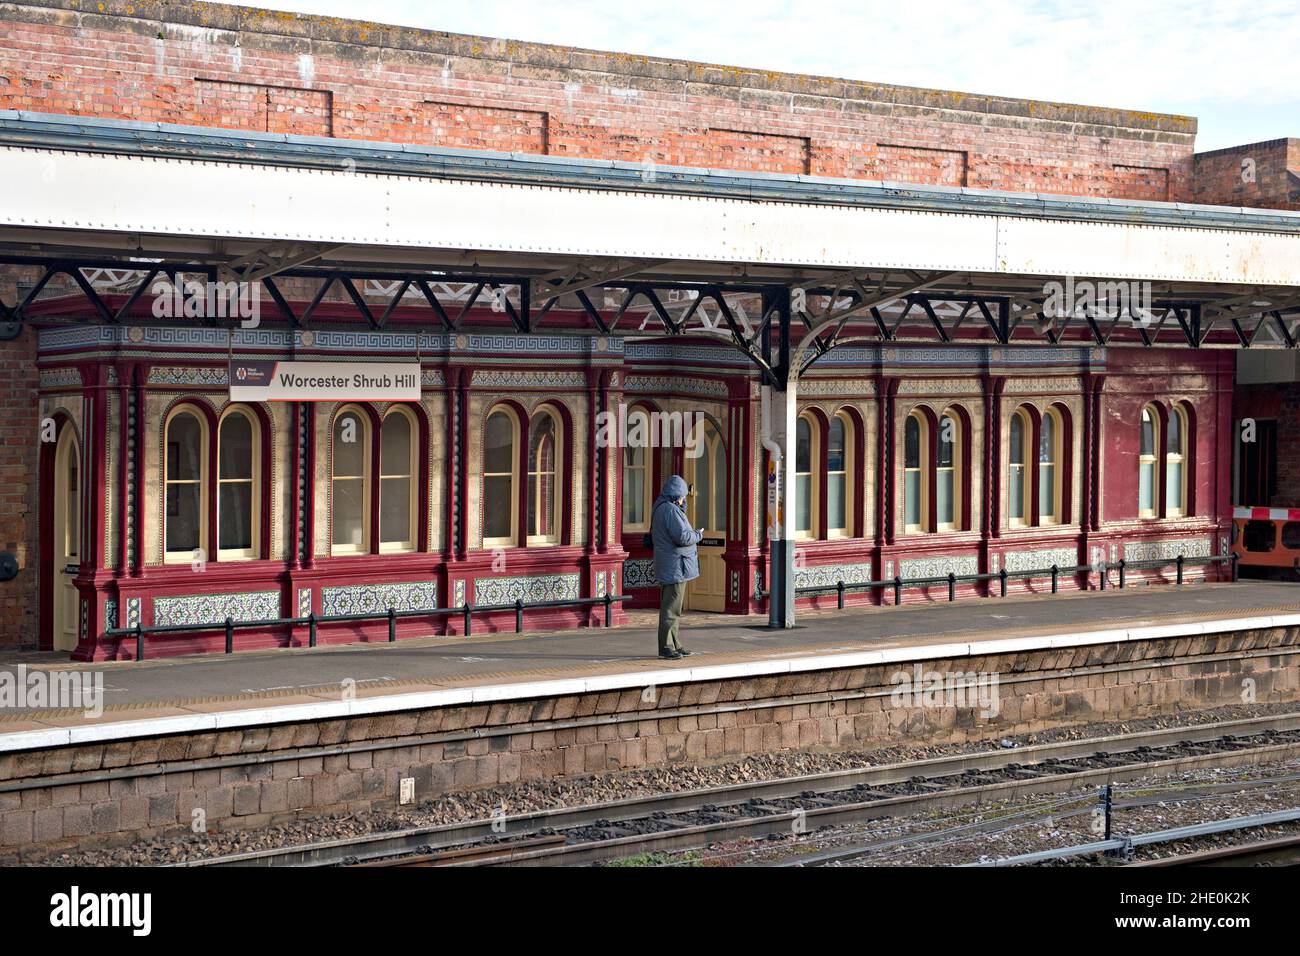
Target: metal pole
{"x": 898, "y": 590}
{"x": 139, "y": 642}
{"x": 839, "y": 588}
{"x": 1123, "y": 572}
{"x": 1055, "y": 575}
{"x": 952, "y": 586}
{"x": 311, "y": 629}
{"x": 230, "y": 635}
{"x": 1002, "y": 578}
{"x": 609, "y": 609}
{"x": 466, "y": 610}
{"x": 392, "y": 625}
{"x": 1180, "y": 569}
{"x": 519, "y": 615}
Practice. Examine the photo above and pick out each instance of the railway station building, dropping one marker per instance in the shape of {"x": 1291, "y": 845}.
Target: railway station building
{"x": 882, "y": 332}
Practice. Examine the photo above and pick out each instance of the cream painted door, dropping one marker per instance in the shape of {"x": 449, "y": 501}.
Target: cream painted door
{"x": 706, "y": 505}
{"x": 67, "y": 539}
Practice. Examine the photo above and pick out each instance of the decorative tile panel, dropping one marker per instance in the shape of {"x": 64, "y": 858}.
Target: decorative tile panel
{"x": 60, "y": 378}
{"x": 1167, "y": 550}
{"x": 378, "y": 598}
{"x": 110, "y": 614}
{"x": 823, "y": 575}
{"x": 458, "y": 594}
{"x": 639, "y": 573}
{"x": 304, "y": 602}
{"x": 542, "y": 587}
{"x": 1042, "y": 559}
{"x": 938, "y": 567}
{"x": 132, "y": 611}
{"x": 215, "y": 608}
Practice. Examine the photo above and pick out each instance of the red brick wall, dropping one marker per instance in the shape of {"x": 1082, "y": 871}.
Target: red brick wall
{"x": 159, "y": 62}
{"x": 1259, "y": 174}
{"x": 19, "y": 473}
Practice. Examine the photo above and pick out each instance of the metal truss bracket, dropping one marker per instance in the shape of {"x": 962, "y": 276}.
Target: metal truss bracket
{"x": 273, "y": 259}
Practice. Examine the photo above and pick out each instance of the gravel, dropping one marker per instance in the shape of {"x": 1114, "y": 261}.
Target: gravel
{"x": 597, "y": 788}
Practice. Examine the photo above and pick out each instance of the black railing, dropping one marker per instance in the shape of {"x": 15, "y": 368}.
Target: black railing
{"x": 1055, "y": 572}
{"x": 313, "y": 621}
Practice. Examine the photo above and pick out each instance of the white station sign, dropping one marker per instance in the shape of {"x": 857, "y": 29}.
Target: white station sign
{"x": 257, "y": 380}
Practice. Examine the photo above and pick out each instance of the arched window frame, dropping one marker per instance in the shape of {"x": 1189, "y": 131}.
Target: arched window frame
{"x": 516, "y": 494}
{"x": 957, "y": 468}
{"x": 557, "y": 471}
{"x": 809, "y": 479}
{"x": 1024, "y": 476}
{"x": 848, "y": 471}
{"x": 252, "y": 552}
{"x": 411, "y": 543}
{"x": 206, "y": 442}
{"x": 1177, "y": 457}
{"x": 646, "y": 468}
{"x": 367, "y": 478}
{"x": 1149, "y": 462}
{"x": 924, "y": 474}
{"x": 1058, "y": 466}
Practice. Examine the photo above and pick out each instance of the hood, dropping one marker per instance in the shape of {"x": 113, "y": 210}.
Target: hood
{"x": 675, "y": 487}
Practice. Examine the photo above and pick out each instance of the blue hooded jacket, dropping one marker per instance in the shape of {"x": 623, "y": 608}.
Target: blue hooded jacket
{"x": 674, "y": 538}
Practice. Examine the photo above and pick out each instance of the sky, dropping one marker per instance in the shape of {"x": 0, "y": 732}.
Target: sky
{"x": 1233, "y": 64}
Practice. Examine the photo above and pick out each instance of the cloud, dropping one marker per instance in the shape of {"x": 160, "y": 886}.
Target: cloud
{"x": 1231, "y": 63}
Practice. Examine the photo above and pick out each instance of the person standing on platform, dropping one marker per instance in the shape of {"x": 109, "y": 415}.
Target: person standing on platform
{"x": 676, "y": 561}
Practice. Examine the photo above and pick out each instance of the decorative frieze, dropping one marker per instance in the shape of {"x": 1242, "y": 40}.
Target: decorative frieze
{"x": 60, "y": 378}
{"x": 661, "y": 384}
{"x": 197, "y": 375}
{"x": 521, "y": 378}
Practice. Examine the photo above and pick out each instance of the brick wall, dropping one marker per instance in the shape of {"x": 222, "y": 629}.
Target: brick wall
{"x": 1258, "y": 174}
{"x": 266, "y": 775}
{"x": 212, "y": 64}
{"x": 19, "y": 476}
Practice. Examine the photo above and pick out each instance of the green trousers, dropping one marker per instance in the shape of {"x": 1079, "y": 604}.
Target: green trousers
{"x": 670, "y": 609}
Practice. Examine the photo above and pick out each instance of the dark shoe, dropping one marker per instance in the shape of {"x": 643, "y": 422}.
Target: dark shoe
{"x": 683, "y": 652}
{"x": 670, "y": 655}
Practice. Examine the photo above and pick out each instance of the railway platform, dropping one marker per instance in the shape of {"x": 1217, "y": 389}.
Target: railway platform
{"x": 215, "y": 691}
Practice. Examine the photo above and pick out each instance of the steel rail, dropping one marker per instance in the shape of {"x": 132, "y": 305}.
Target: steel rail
{"x": 446, "y": 836}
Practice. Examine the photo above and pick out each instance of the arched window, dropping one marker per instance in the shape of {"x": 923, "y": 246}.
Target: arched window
{"x": 500, "y": 459}
{"x": 916, "y": 454}
{"x": 838, "y": 477}
{"x": 350, "y": 483}
{"x": 238, "y": 469}
{"x": 637, "y": 479}
{"x": 805, "y": 453}
{"x": 1148, "y": 459}
{"x": 1176, "y": 463}
{"x": 1049, "y": 471}
{"x": 543, "y": 479}
{"x": 185, "y": 476}
{"x": 397, "y": 479}
{"x": 1018, "y": 493}
{"x": 948, "y": 473}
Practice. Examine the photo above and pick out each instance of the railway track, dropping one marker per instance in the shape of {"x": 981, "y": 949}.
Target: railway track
{"x": 1283, "y": 851}
{"x": 692, "y": 819}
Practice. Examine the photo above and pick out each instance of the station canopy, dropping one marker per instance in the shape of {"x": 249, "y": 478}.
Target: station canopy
{"x": 784, "y": 268}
